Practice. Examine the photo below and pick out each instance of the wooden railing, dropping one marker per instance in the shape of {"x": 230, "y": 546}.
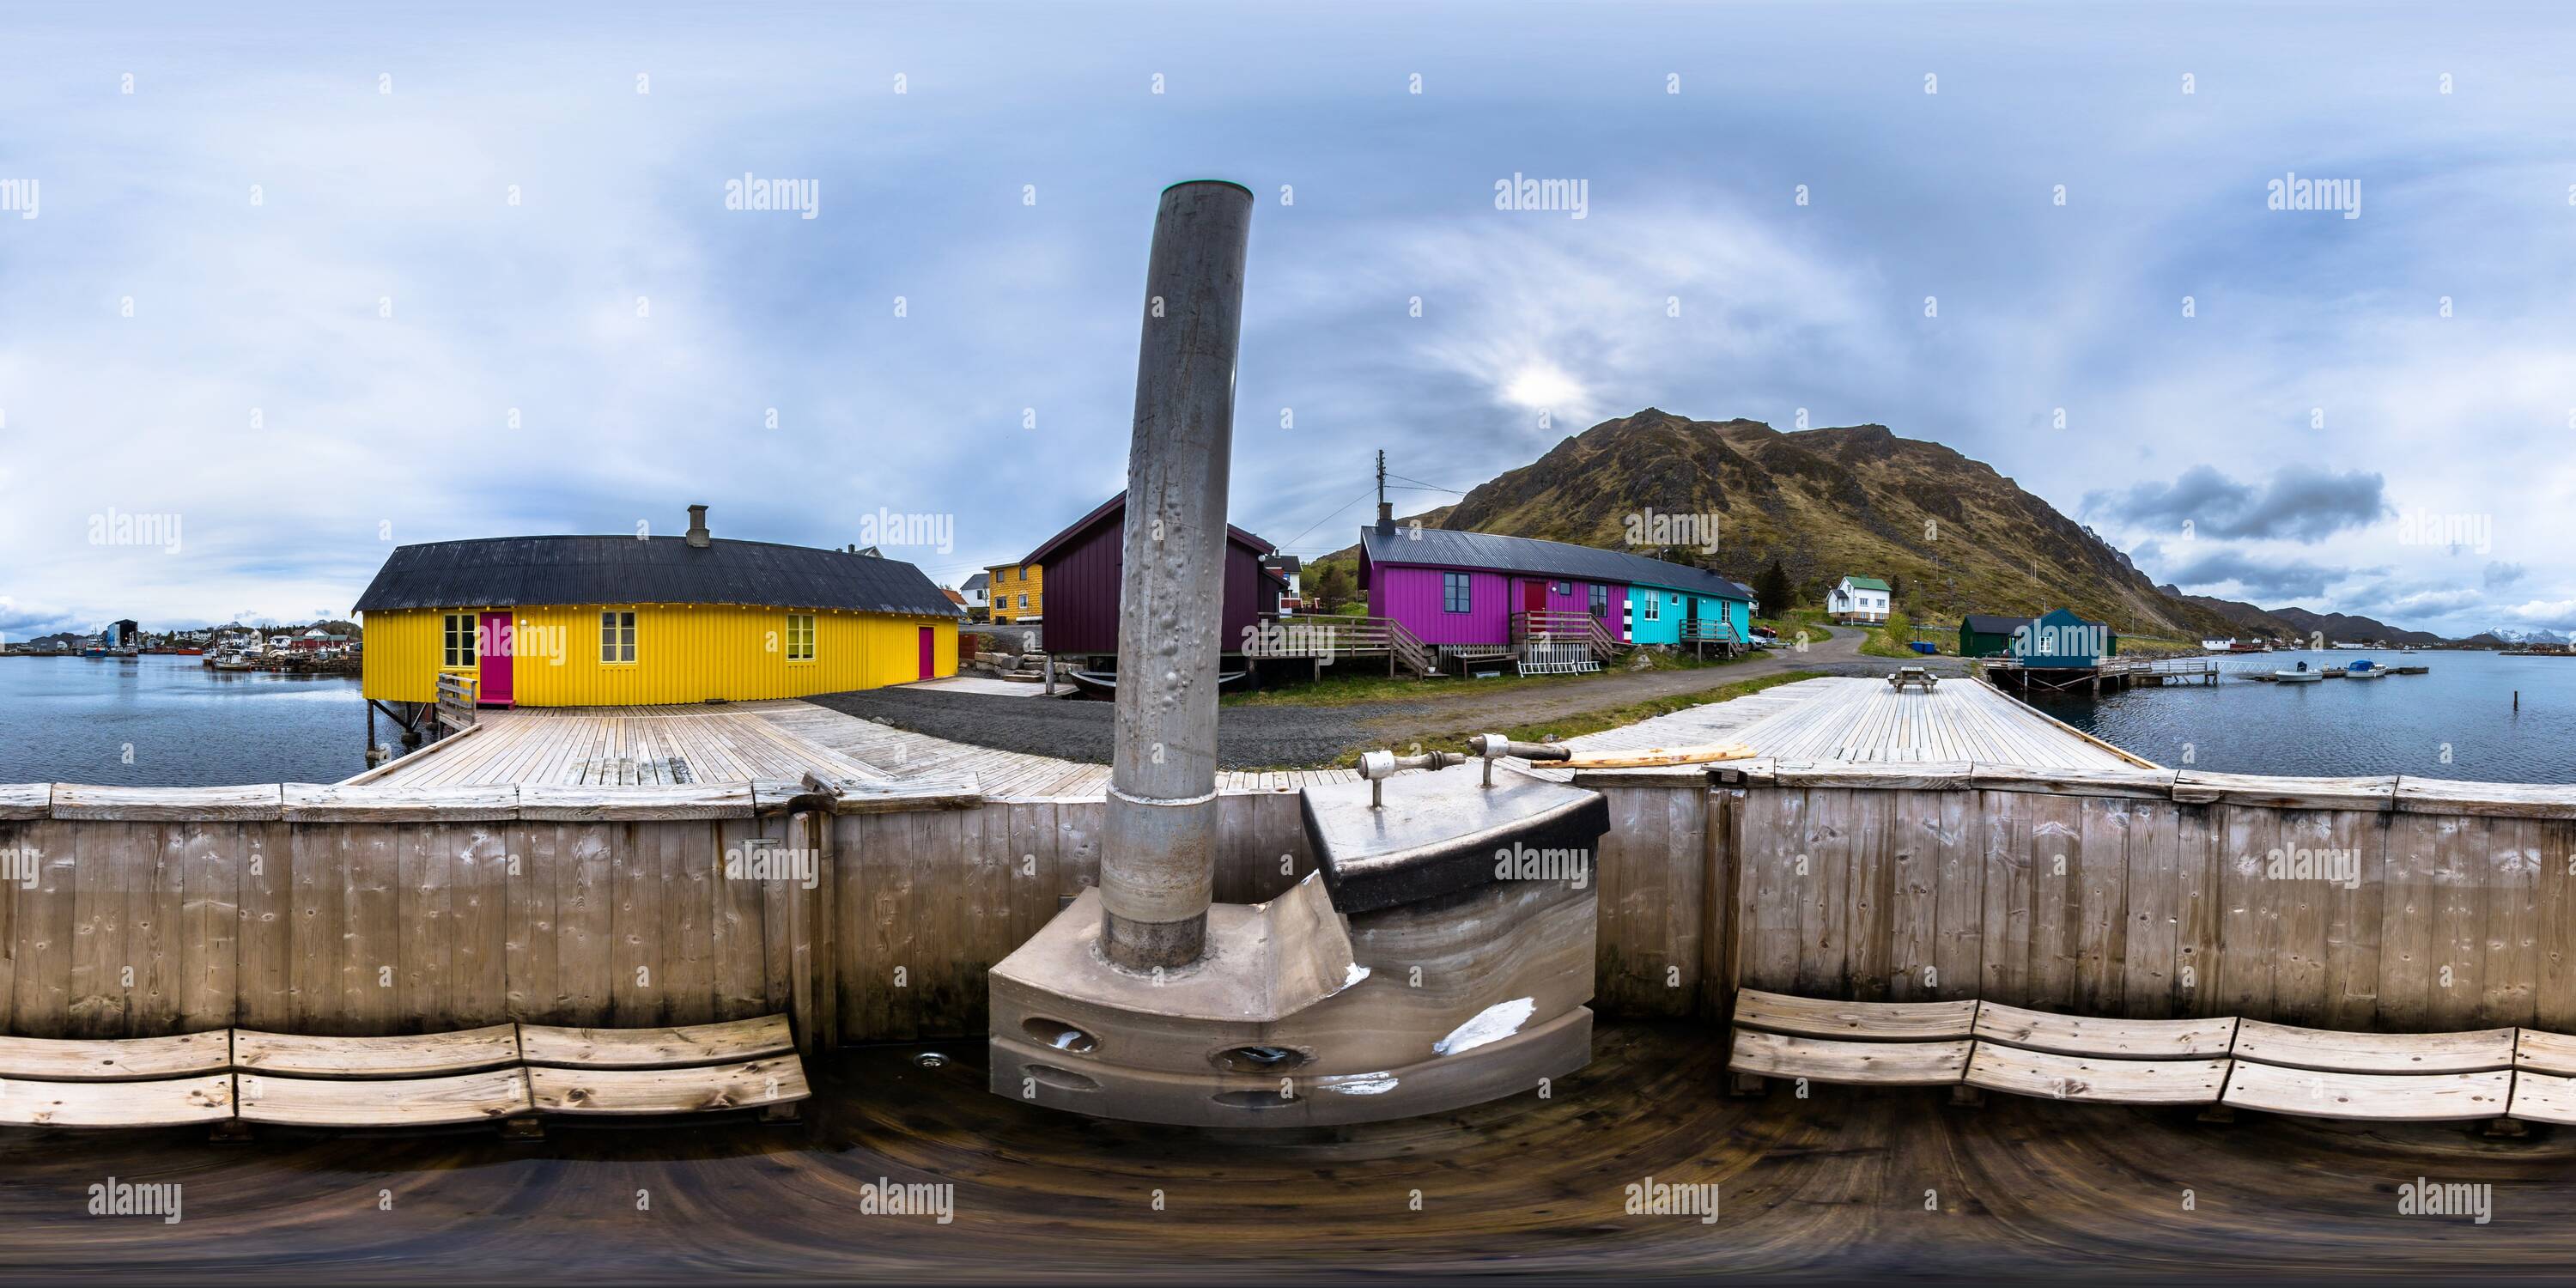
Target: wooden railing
{"x": 1565, "y": 628}
{"x": 1329, "y": 637}
{"x": 457, "y": 695}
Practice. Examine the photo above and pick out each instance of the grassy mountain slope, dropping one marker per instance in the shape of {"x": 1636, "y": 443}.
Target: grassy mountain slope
{"x": 1954, "y": 535}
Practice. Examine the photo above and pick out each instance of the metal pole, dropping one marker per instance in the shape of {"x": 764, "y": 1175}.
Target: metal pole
{"x": 1158, "y": 858}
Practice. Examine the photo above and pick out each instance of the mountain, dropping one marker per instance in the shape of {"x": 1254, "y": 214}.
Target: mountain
{"x": 2300, "y": 623}
{"x": 1953, "y": 535}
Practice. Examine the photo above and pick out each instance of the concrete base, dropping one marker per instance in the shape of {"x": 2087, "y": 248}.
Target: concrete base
{"x": 1509, "y": 1066}
{"x": 1429, "y": 1008}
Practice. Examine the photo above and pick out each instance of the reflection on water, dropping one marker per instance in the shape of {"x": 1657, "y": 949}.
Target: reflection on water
{"x": 170, "y": 721}
{"x": 2459, "y": 721}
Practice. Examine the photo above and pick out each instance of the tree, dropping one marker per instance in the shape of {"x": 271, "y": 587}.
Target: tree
{"x": 1333, "y": 586}
{"x": 1773, "y": 590}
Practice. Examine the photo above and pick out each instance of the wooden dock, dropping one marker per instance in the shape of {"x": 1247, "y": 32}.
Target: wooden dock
{"x": 617, "y": 747}
{"x": 1865, "y": 721}
{"x": 1005, "y": 775}
{"x": 749, "y": 741}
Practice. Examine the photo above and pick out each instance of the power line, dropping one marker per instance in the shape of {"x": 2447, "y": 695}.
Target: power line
{"x": 1327, "y": 518}
{"x": 1433, "y": 486}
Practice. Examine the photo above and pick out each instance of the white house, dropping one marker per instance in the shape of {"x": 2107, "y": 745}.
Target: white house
{"x": 1858, "y": 599}
{"x": 978, "y": 591}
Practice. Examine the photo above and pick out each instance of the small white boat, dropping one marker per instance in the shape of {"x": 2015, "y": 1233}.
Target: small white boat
{"x": 235, "y": 661}
{"x": 2365, "y": 671}
{"x": 2301, "y": 676}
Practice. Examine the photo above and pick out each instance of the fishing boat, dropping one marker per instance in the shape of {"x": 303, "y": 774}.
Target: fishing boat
{"x": 235, "y": 660}
{"x": 1104, "y": 684}
{"x": 2301, "y": 676}
{"x": 2365, "y": 669}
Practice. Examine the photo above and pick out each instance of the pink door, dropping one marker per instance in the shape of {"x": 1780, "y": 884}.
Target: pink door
{"x": 494, "y": 643}
{"x": 929, "y": 656}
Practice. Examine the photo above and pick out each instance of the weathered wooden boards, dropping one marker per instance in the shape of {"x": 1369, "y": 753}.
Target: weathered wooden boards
{"x": 430, "y": 923}
{"x": 2348, "y": 904}
{"x": 421, "y": 1080}
{"x": 2246, "y": 1064}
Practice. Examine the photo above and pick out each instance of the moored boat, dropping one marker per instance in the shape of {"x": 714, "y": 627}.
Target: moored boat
{"x": 2300, "y": 676}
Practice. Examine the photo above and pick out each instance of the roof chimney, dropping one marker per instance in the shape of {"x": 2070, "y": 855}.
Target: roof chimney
{"x": 698, "y": 527}
{"x": 1386, "y": 516}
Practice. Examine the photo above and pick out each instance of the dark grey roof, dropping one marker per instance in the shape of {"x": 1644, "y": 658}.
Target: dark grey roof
{"x": 1992, "y": 624}
{"x": 1442, "y": 548}
{"x": 506, "y": 572}
{"x": 978, "y": 581}
{"x": 1286, "y": 564}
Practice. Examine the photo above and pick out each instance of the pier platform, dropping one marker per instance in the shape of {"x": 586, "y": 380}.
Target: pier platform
{"x": 1857, "y": 721}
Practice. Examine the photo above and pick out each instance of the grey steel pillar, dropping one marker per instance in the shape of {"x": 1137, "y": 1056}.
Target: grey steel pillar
{"x": 1158, "y": 856}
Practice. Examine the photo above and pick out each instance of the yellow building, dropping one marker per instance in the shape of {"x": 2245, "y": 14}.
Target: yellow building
{"x": 1019, "y": 591}
{"x": 615, "y": 621}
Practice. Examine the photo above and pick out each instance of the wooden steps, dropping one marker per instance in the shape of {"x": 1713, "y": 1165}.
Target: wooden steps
{"x": 499, "y": 1073}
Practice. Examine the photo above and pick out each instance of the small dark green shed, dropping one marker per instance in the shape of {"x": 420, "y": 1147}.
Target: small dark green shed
{"x": 1987, "y": 635}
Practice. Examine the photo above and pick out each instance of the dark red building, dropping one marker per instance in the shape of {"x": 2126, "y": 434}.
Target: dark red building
{"x": 1083, "y": 565}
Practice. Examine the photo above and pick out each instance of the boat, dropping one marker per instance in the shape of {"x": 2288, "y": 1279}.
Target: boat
{"x": 2301, "y": 676}
{"x": 2365, "y": 669}
{"x": 235, "y": 661}
{"x": 1104, "y": 684}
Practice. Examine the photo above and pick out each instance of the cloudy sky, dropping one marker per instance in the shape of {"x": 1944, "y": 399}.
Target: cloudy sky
{"x": 301, "y": 284}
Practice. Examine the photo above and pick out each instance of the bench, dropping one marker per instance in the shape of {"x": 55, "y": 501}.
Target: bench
{"x": 1919, "y": 676}
{"x": 507, "y": 1073}
{"x": 2395, "y": 1077}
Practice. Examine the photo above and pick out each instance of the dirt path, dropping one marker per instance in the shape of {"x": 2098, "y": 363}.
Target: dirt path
{"x": 1270, "y": 737}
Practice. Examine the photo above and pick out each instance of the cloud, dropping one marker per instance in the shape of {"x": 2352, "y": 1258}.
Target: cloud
{"x": 2500, "y": 574}
{"x": 2265, "y": 581}
{"x": 2298, "y": 504}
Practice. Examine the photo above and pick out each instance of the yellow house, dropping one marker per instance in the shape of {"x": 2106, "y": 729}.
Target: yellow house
{"x": 615, "y": 621}
{"x": 1019, "y": 590}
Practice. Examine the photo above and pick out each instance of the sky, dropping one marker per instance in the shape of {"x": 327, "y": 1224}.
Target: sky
{"x": 285, "y": 288}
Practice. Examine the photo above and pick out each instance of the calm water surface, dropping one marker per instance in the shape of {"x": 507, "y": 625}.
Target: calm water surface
{"x": 170, "y": 722}
{"x": 2457, "y": 722}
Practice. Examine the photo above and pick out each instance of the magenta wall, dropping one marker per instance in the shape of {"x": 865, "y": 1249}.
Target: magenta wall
{"x": 1413, "y": 596}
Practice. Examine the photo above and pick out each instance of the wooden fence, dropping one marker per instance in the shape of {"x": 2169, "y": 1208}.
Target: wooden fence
{"x": 873, "y": 914}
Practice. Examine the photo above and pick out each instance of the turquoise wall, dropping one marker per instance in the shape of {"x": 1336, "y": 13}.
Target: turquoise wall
{"x": 1667, "y": 627}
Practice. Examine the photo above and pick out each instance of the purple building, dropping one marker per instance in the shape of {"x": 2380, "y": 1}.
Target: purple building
{"x": 1475, "y": 591}
{"x": 1084, "y": 565}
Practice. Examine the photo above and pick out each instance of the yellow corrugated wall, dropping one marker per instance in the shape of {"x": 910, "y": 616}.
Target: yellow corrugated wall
{"x": 683, "y": 653}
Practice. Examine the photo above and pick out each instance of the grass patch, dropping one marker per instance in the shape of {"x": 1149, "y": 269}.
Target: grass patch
{"x": 1606, "y": 718}
{"x": 1358, "y": 686}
